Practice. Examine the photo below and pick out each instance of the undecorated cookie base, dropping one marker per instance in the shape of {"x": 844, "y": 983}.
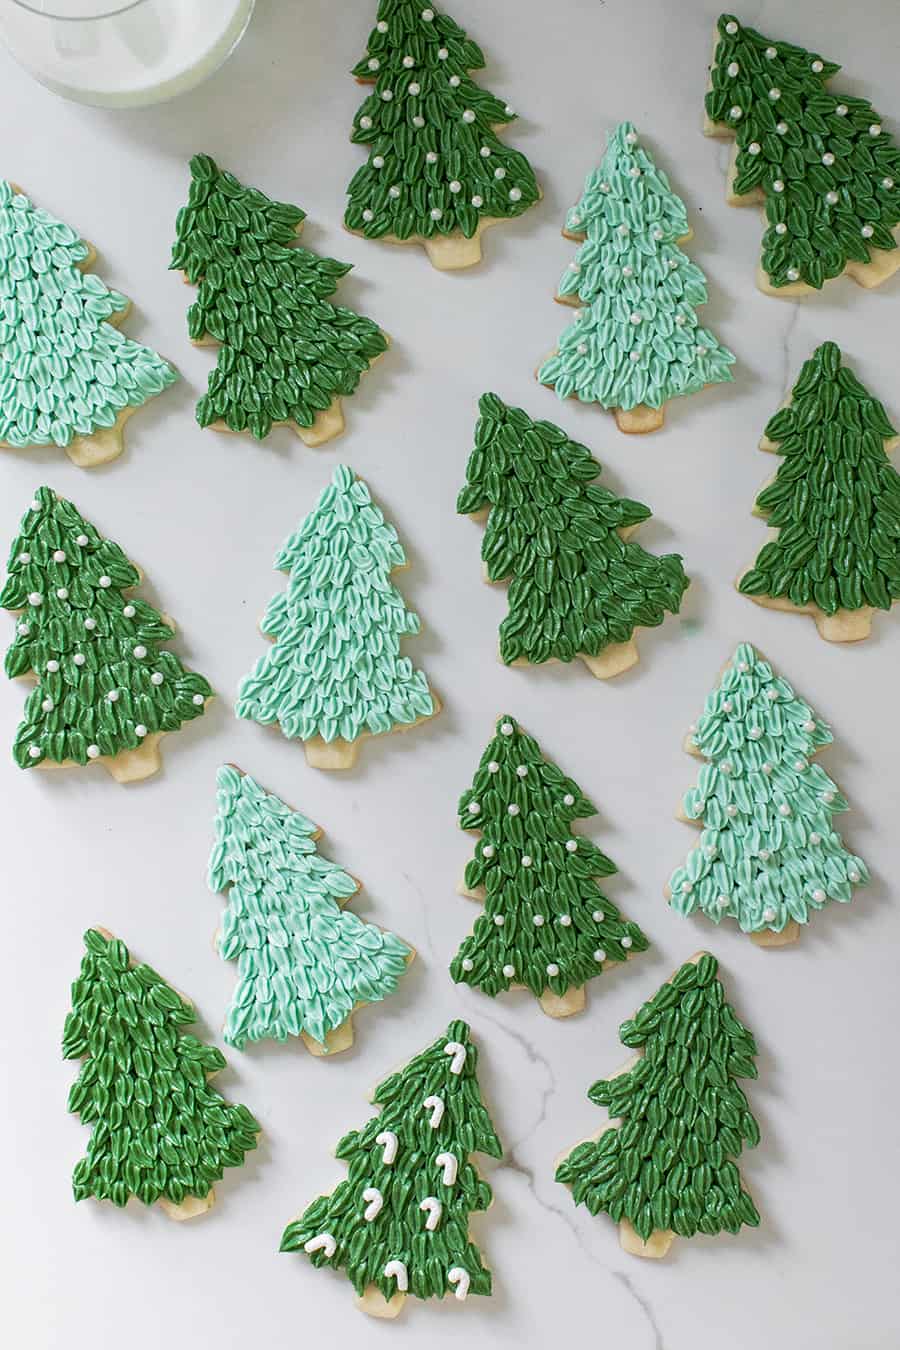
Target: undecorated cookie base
{"x": 446, "y": 253}
{"x": 341, "y": 754}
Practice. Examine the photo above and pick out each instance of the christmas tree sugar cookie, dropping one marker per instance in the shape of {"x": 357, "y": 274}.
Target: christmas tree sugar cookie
{"x": 106, "y": 689}
{"x": 833, "y": 505}
{"x": 287, "y": 355}
{"x": 398, "y": 1226}
{"x": 304, "y": 963}
{"x": 437, "y": 173}
{"x": 634, "y": 342}
{"x": 769, "y": 855}
{"x": 546, "y": 925}
{"x": 160, "y": 1131}
{"x": 335, "y": 673}
{"x": 663, "y": 1165}
{"x": 579, "y": 586}
{"x": 68, "y": 377}
{"x": 821, "y": 165}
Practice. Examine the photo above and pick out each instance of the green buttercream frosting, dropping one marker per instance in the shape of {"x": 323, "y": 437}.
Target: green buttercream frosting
{"x": 829, "y": 173}
{"x": 160, "y": 1131}
{"x": 64, "y": 371}
{"x": 335, "y": 668}
{"x": 636, "y": 339}
{"x": 303, "y": 962}
{"x": 285, "y": 351}
{"x": 576, "y": 586}
{"x": 835, "y": 500}
{"x": 683, "y": 1116}
{"x": 546, "y": 923}
{"x": 768, "y": 852}
{"x": 104, "y": 681}
{"x": 436, "y": 165}
{"x": 402, "y": 1215}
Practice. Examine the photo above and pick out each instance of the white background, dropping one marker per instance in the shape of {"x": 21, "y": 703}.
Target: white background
{"x": 204, "y": 514}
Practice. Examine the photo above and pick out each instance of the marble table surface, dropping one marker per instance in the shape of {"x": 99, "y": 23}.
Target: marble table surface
{"x": 203, "y": 515}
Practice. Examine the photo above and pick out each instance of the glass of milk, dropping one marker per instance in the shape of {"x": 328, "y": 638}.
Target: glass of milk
{"x": 122, "y": 53}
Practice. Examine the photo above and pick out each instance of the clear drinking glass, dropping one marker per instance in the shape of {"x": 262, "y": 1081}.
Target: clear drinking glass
{"x": 122, "y": 53}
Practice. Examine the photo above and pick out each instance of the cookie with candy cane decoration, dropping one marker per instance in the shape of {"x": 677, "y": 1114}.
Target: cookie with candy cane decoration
{"x": 399, "y": 1225}
{"x": 663, "y": 1164}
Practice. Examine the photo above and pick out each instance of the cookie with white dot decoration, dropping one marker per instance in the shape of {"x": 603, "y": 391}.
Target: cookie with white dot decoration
{"x": 635, "y": 342}
{"x": 106, "y": 688}
{"x": 833, "y": 506}
{"x": 398, "y": 1226}
{"x": 769, "y": 856}
{"x": 437, "y": 173}
{"x": 68, "y": 377}
{"x": 546, "y": 925}
{"x": 821, "y": 165}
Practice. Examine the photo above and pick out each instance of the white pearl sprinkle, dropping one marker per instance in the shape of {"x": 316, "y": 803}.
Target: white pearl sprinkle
{"x": 867, "y": 232}
{"x": 105, "y": 582}
{"x": 769, "y": 915}
{"x": 35, "y": 598}
{"x": 381, "y": 25}
{"x": 731, "y": 28}
{"x": 755, "y": 733}
{"x": 875, "y": 129}
{"x": 414, "y": 89}
{"x": 499, "y": 920}
{"x": 538, "y": 920}
{"x": 428, "y": 15}
{"x": 623, "y": 228}
{"x": 394, "y": 191}
{"x": 493, "y": 766}
{"x": 781, "y": 228}
{"x": 455, "y": 185}
{"x": 627, "y": 271}
{"x": 778, "y": 185}
{"x": 409, "y": 62}
{"x": 499, "y": 173}
{"x": 828, "y": 159}
{"x": 53, "y": 666}
{"x": 23, "y": 630}
{"x": 553, "y": 970}
{"x": 657, "y": 234}
{"x": 784, "y": 809}
{"x": 566, "y": 920}
{"x": 113, "y": 695}
{"x": 374, "y": 63}
{"x": 62, "y": 593}
{"x": 515, "y": 194}
{"x": 735, "y": 112}
{"x": 368, "y": 215}
{"x": 34, "y": 750}
{"x": 793, "y": 274}
{"x": 635, "y": 317}
{"x": 365, "y": 123}
{"x": 35, "y": 504}
{"x": 734, "y": 69}
{"x": 93, "y": 751}
{"x": 474, "y": 808}
{"x": 774, "y": 94}
{"x": 635, "y": 355}
{"x": 767, "y": 768}
{"x": 817, "y": 67}
{"x": 781, "y": 128}
{"x": 431, "y": 157}
{"x": 387, "y": 95}
{"x": 598, "y": 916}
{"x": 754, "y": 147}
{"x": 477, "y": 201}
{"x": 571, "y": 845}
{"x": 378, "y": 161}
{"x": 630, "y": 137}
{"x": 771, "y": 53}
{"x": 723, "y": 902}
{"x": 418, "y": 121}
{"x": 467, "y": 964}
{"x": 157, "y": 677}
{"x": 443, "y": 53}
{"x": 513, "y": 809}
{"x": 634, "y": 172}
{"x": 522, "y": 770}
{"x": 79, "y": 658}
{"x": 140, "y": 731}
{"x": 731, "y": 809}
{"x": 47, "y": 705}
{"x": 887, "y": 183}
{"x": 701, "y": 350}
{"x": 815, "y": 838}
{"x": 488, "y": 851}
{"x": 626, "y": 942}
{"x": 140, "y": 652}
{"x": 468, "y": 115}
{"x": 506, "y": 729}
{"x": 853, "y": 875}
{"x": 599, "y": 954}
{"x": 818, "y": 896}
{"x": 59, "y": 555}
{"x": 454, "y": 81}
{"x": 842, "y": 110}
{"x": 509, "y": 971}
{"x": 568, "y": 799}
{"x": 526, "y": 860}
